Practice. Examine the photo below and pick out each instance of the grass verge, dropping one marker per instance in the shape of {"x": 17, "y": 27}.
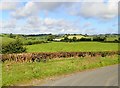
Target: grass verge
{"x": 14, "y": 73}
{"x": 0, "y": 74}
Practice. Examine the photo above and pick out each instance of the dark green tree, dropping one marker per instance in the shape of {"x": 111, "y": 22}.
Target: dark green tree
{"x": 66, "y": 39}
{"x": 11, "y": 35}
{"x": 51, "y": 37}
{"x": 74, "y": 39}
{"x": 13, "y": 47}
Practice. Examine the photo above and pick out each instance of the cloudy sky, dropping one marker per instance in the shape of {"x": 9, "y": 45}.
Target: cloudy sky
{"x": 59, "y": 17}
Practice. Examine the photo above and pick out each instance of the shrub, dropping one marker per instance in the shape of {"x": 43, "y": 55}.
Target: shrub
{"x": 74, "y": 39}
{"x": 13, "y": 47}
{"x": 35, "y": 42}
{"x": 29, "y": 43}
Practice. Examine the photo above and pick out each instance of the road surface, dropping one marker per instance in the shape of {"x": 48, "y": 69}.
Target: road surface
{"x": 104, "y": 76}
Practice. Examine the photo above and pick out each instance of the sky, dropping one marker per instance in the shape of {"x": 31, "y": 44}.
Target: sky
{"x": 59, "y": 16}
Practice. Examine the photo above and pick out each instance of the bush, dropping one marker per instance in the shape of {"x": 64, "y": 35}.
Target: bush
{"x": 35, "y": 42}
{"x": 99, "y": 38}
{"x": 29, "y": 43}
{"x": 13, "y": 47}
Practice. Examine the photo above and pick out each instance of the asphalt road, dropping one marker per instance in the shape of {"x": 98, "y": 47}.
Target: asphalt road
{"x": 105, "y": 76}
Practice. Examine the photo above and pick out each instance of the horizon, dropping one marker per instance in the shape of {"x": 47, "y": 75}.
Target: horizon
{"x": 63, "y": 34}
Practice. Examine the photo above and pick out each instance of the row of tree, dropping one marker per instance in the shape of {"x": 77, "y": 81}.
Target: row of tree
{"x": 74, "y": 39}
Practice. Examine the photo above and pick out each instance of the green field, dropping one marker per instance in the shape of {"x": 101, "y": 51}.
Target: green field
{"x": 77, "y": 36}
{"x": 6, "y": 40}
{"x": 18, "y": 73}
{"x": 71, "y": 47}
{"x": 111, "y": 38}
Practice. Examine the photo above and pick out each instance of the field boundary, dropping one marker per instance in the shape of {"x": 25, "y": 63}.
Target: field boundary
{"x": 32, "y": 57}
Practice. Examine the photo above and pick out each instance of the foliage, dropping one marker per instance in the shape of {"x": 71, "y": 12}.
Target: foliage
{"x": 13, "y": 47}
{"x": 51, "y": 37}
{"x": 74, "y": 39}
{"x": 33, "y": 57}
{"x": 35, "y": 42}
{"x": 99, "y": 38}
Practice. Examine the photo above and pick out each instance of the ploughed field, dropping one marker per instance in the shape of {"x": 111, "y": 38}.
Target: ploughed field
{"x": 72, "y": 47}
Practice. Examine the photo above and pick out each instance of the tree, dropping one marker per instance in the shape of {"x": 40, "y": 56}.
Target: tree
{"x": 66, "y": 39}
{"x": 51, "y": 37}
{"x": 13, "y": 47}
{"x": 74, "y": 39}
{"x": 11, "y": 35}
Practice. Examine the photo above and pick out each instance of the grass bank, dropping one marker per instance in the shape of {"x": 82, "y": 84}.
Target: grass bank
{"x": 72, "y": 47}
{"x": 14, "y": 73}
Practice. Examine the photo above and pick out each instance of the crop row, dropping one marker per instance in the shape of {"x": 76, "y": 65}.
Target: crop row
{"x": 31, "y": 57}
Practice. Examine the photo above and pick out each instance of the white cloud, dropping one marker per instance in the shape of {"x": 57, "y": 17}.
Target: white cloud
{"x": 35, "y": 24}
{"x": 8, "y": 5}
{"x": 99, "y": 9}
{"x": 85, "y": 8}
{"x": 32, "y": 8}
{"x": 86, "y": 25}
{"x": 8, "y": 24}
{"x": 29, "y": 9}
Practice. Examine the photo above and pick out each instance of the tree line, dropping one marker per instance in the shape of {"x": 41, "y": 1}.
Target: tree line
{"x": 99, "y": 39}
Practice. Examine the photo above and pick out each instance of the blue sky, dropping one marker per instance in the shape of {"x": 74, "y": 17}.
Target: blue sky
{"x": 59, "y": 17}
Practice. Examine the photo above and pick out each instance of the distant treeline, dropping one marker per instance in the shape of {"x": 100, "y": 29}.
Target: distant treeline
{"x": 99, "y": 39}
{"x": 64, "y": 37}
{"x": 35, "y": 42}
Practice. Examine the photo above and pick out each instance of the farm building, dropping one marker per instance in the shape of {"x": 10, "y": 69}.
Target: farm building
{"x": 56, "y": 39}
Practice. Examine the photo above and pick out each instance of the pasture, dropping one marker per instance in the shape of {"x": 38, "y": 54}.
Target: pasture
{"x": 77, "y": 36}
{"x": 72, "y": 47}
{"x": 6, "y": 40}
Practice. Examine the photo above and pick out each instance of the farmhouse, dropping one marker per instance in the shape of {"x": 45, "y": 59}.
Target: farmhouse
{"x": 56, "y": 39}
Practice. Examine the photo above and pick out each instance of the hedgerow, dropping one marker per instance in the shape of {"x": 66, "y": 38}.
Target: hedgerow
{"x": 32, "y": 57}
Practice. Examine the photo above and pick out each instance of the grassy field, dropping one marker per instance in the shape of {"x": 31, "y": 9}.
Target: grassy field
{"x": 0, "y": 74}
{"x": 77, "y": 36}
{"x": 111, "y": 38}
{"x": 69, "y": 47}
{"x": 6, "y": 40}
{"x": 14, "y": 73}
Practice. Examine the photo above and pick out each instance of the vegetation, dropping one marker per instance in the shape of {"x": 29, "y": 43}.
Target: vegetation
{"x": 78, "y": 38}
{"x": 72, "y": 47}
{"x": 38, "y": 57}
{"x": 6, "y": 40}
{"x": 25, "y": 39}
{"x": 44, "y": 38}
{"x": 15, "y": 73}
{"x": 13, "y": 47}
